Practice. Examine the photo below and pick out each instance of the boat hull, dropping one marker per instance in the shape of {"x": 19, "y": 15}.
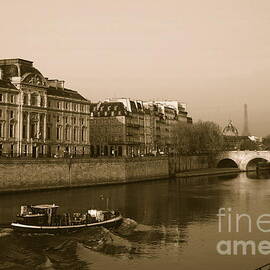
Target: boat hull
{"x": 18, "y": 227}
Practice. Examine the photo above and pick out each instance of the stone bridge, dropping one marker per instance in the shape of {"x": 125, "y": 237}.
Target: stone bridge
{"x": 244, "y": 160}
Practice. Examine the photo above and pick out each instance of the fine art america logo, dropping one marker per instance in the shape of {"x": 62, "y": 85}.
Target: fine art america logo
{"x": 230, "y": 223}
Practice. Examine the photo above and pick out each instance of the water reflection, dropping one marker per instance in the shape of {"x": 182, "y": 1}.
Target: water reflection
{"x": 261, "y": 174}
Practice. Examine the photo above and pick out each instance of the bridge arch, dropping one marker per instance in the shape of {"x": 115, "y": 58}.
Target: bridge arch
{"x": 250, "y": 164}
{"x": 245, "y": 160}
{"x": 227, "y": 163}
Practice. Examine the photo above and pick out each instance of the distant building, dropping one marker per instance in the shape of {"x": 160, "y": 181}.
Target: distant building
{"x": 39, "y": 116}
{"x": 133, "y": 128}
{"x": 235, "y": 142}
{"x": 230, "y": 130}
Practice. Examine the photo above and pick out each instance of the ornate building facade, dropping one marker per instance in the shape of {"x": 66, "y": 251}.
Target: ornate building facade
{"x": 39, "y": 116}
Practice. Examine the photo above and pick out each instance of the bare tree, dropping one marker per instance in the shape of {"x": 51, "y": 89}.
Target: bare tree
{"x": 199, "y": 138}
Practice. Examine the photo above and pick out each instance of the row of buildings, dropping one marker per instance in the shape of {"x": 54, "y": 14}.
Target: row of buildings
{"x": 39, "y": 116}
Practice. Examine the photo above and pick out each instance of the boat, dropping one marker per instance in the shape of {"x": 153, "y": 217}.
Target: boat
{"x": 44, "y": 219}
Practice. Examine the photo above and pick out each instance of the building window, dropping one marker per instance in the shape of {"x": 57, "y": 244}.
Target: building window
{"x": 58, "y": 104}
{"x": 82, "y": 134}
{"x": 11, "y": 114}
{"x": 33, "y": 130}
{"x": 1, "y": 113}
{"x": 48, "y": 132}
{"x": 12, "y": 98}
{"x": 82, "y": 108}
{"x": 24, "y": 132}
{"x": 42, "y": 101}
{"x": 33, "y": 99}
{"x": 25, "y": 99}
{"x": 11, "y": 150}
{"x": 1, "y": 130}
{"x": 74, "y": 120}
{"x": 49, "y": 104}
{"x": 58, "y": 118}
{"x": 1, "y": 97}
{"x": 11, "y": 130}
{"x": 74, "y": 107}
{"x": 75, "y": 134}
{"x": 67, "y": 133}
{"x": 58, "y": 133}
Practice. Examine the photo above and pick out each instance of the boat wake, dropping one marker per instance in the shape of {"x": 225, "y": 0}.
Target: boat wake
{"x": 78, "y": 250}
{"x": 5, "y": 232}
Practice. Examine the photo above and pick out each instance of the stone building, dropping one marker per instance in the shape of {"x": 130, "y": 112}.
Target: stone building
{"x": 166, "y": 114}
{"x": 39, "y": 116}
{"x": 117, "y": 128}
{"x": 133, "y": 128}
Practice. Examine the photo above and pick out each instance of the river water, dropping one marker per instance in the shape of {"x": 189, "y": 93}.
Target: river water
{"x": 178, "y": 226}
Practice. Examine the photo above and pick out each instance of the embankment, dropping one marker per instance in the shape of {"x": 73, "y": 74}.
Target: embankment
{"x": 38, "y": 174}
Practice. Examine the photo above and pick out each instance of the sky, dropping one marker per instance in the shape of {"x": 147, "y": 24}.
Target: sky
{"x": 213, "y": 55}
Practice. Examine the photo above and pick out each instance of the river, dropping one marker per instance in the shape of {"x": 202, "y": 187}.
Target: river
{"x": 178, "y": 226}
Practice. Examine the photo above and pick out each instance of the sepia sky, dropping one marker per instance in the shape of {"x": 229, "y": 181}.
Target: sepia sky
{"x": 213, "y": 55}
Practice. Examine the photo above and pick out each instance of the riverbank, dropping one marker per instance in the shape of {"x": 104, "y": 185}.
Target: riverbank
{"x": 208, "y": 171}
{"x": 17, "y": 175}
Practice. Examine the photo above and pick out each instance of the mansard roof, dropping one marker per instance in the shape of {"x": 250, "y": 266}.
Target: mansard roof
{"x": 67, "y": 93}
{"x": 7, "y": 84}
{"x": 99, "y": 109}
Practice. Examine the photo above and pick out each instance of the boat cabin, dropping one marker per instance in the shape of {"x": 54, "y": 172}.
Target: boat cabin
{"x": 37, "y": 214}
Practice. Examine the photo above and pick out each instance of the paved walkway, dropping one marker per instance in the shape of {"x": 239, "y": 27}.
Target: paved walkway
{"x": 210, "y": 171}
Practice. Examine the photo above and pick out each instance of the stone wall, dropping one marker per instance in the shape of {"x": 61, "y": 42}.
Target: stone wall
{"x": 56, "y": 173}
{"x": 186, "y": 163}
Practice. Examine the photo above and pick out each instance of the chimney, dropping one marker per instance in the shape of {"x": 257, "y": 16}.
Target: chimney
{"x": 56, "y": 84}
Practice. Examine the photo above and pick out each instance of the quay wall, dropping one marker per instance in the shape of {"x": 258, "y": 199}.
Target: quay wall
{"x": 36, "y": 174}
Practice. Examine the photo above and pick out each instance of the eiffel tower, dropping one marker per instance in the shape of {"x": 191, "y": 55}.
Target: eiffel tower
{"x": 245, "y": 130}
